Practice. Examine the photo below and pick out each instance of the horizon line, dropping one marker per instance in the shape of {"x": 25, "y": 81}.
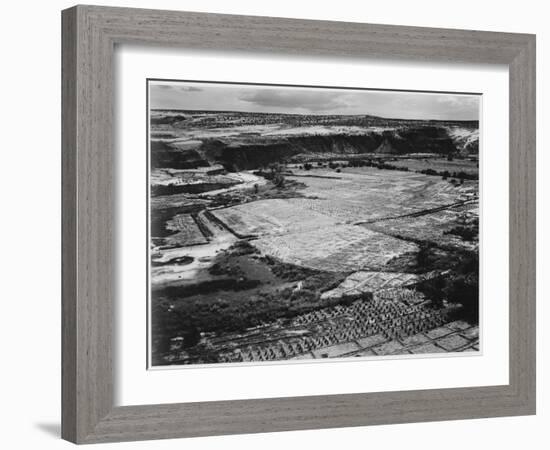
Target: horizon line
{"x": 309, "y": 114}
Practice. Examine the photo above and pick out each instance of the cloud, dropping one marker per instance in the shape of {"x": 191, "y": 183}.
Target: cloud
{"x": 463, "y": 101}
{"x": 190, "y": 89}
{"x": 168, "y": 87}
{"x": 405, "y": 105}
{"x": 463, "y": 106}
{"x": 290, "y": 98}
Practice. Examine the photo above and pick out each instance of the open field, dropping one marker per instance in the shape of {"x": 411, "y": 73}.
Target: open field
{"x": 277, "y": 216}
{"x": 352, "y": 195}
{"x": 330, "y": 223}
{"x": 339, "y": 248}
{"x": 365, "y": 193}
{"x": 436, "y": 227}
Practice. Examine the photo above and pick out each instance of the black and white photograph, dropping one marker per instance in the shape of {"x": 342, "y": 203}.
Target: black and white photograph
{"x": 303, "y": 223}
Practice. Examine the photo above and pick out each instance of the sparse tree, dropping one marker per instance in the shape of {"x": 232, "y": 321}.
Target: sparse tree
{"x": 276, "y": 174}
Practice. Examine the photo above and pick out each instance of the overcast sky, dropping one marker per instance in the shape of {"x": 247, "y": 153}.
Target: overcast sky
{"x": 274, "y": 99}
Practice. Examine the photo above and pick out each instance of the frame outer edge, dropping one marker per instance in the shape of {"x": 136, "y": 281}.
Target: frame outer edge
{"x": 89, "y": 34}
{"x": 88, "y": 185}
{"x": 523, "y": 225}
{"x": 69, "y": 203}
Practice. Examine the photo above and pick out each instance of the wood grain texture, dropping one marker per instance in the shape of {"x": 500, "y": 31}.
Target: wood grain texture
{"x": 89, "y": 36}
{"x": 88, "y": 210}
{"x": 522, "y": 281}
{"x": 68, "y": 224}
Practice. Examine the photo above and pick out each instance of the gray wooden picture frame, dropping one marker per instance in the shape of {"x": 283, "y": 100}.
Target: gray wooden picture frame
{"x": 90, "y": 34}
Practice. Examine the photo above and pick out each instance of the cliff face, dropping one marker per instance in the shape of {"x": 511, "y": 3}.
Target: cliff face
{"x": 420, "y": 140}
{"x": 246, "y": 156}
{"x": 261, "y": 152}
{"x": 466, "y": 140}
{"x": 251, "y": 147}
{"x": 164, "y": 154}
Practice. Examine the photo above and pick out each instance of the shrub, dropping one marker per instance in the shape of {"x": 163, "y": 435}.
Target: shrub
{"x": 460, "y": 285}
{"x": 468, "y": 233}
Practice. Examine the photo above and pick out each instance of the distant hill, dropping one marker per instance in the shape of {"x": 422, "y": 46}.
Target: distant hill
{"x": 231, "y": 118}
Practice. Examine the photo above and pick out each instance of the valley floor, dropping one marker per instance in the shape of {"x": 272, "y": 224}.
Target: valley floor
{"x": 330, "y": 264}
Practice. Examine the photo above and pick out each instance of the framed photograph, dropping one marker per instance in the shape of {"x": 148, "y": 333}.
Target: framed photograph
{"x": 278, "y": 224}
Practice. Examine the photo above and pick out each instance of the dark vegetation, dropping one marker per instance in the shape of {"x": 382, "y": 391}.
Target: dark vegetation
{"x": 183, "y": 260}
{"x": 246, "y": 290}
{"x": 466, "y": 229}
{"x": 273, "y": 173}
{"x": 446, "y": 174}
{"x": 191, "y": 188}
{"x": 458, "y": 283}
{"x": 289, "y": 272}
{"x": 376, "y": 164}
{"x": 381, "y": 164}
{"x": 468, "y": 233}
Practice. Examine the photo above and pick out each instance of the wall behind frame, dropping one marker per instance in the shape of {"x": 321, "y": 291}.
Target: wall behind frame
{"x": 31, "y": 207}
